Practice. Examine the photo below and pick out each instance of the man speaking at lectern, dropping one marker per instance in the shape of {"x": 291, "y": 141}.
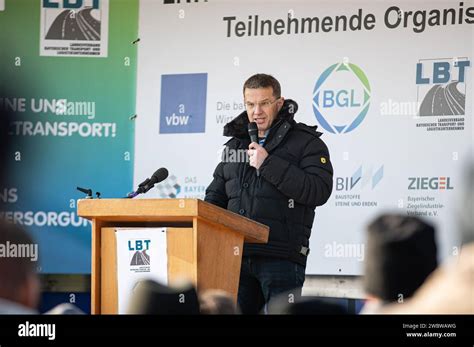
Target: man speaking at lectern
{"x": 285, "y": 176}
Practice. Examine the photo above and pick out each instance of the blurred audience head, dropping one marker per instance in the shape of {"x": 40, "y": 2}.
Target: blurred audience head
{"x": 19, "y": 282}
{"x": 151, "y": 297}
{"x": 304, "y": 305}
{"x": 400, "y": 254}
{"x": 449, "y": 290}
{"x": 215, "y": 301}
{"x": 65, "y": 309}
{"x": 466, "y": 206}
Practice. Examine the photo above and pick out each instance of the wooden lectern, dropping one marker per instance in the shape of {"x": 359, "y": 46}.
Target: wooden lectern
{"x": 204, "y": 242}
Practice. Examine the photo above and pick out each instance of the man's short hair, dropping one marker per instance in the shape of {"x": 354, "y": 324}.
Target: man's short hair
{"x": 400, "y": 254}
{"x": 263, "y": 81}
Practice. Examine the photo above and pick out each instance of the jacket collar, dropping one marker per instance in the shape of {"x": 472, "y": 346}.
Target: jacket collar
{"x": 238, "y": 126}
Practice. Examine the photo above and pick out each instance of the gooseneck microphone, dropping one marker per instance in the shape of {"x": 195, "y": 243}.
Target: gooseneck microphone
{"x": 253, "y": 133}
{"x": 159, "y": 175}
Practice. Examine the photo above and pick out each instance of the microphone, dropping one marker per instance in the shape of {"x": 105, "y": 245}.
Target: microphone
{"x": 85, "y": 191}
{"x": 253, "y": 133}
{"x": 159, "y": 175}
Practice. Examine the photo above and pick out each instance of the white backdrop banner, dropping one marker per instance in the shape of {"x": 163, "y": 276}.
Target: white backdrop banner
{"x": 141, "y": 254}
{"x": 390, "y": 86}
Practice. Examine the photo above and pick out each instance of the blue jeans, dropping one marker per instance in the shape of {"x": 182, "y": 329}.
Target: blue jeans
{"x": 261, "y": 279}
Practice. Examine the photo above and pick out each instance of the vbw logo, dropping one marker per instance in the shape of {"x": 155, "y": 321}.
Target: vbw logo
{"x": 139, "y": 250}
{"x": 360, "y": 178}
{"x": 341, "y": 98}
{"x": 183, "y": 103}
{"x": 430, "y": 183}
{"x": 442, "y": 86}
{"x": 70, "y": 4}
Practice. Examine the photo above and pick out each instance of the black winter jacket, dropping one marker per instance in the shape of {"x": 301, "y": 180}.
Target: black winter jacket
{"x": 294, "y": 179}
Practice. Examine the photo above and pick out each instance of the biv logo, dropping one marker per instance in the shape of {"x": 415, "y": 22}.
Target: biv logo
{"x": 361, "y": 177}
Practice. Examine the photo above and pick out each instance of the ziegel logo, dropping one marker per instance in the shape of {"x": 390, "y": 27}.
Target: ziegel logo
{"x": 138, "y": 251}
{"x": 429, "y": 183}
{"x": 442, "y": 86}
{"x": 341, "y": 98}
{"x": 183, "y": 103}
{"x": 349, "y": 183}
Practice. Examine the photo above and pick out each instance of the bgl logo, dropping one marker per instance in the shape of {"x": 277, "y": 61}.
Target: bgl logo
{"x": 442, "y": 85}
{"x": 341, "y": 98}
{"x": 68, "y": 4}
{"x": 348, "y": 183}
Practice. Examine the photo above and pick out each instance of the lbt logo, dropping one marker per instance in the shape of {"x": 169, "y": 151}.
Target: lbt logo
{"x": 139, "y": 245}
{"x": 341, "y": 98}
{"x": 70, "y": 4}
{"x": 442, "y": 86}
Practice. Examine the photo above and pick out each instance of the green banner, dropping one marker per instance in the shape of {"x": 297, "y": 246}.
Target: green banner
{"x": 68, "y": 75}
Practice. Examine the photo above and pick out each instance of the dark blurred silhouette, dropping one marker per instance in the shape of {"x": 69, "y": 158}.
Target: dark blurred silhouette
{"x": 304, "y": 305}
{"x": 5, "y": 145}
{"x": 19, "y": 283}
{"x": 65, "y": 309}
{"x": 450, "y": 289}
{"x": 215, "y": 301}
{"x": 466, "y": 206}
{"x": 401, "y": 253}
{"x": 151, "y": 297}
{"x": 20, "y": 287}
